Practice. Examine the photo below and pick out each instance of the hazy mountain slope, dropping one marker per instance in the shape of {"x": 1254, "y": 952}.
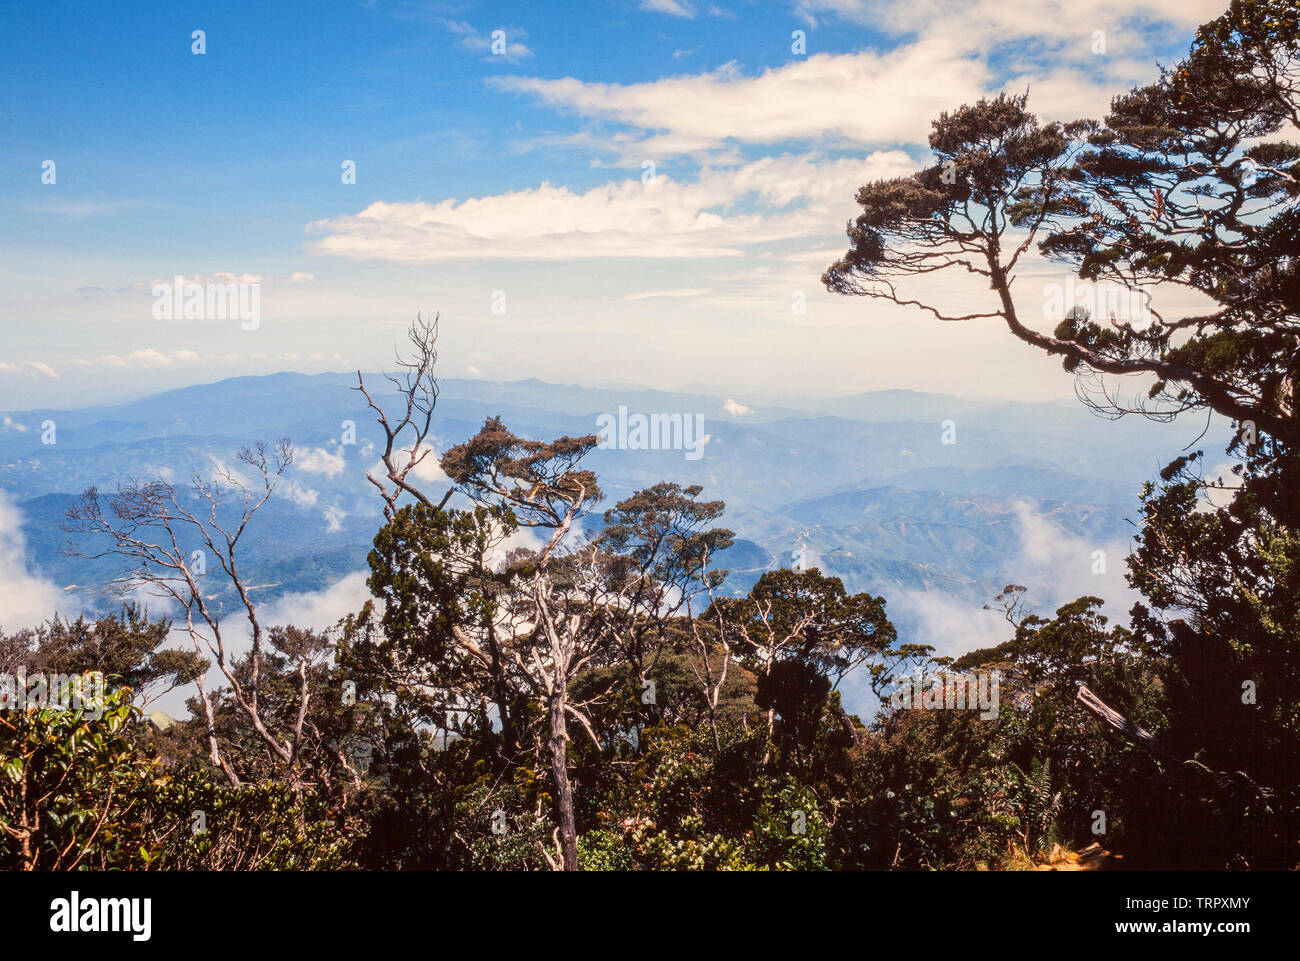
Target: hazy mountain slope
{"x": 864, "y": 485}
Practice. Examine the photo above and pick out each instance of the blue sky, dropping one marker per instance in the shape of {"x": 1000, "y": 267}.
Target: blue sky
{"x": 522, "y": 174}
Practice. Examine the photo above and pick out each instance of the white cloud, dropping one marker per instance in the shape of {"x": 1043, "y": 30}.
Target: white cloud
{"x": 521, "y": 537}
{"x": 857, "y": 99}
{"x": 222, "y": 277}
{"x": 25, "y": 600}
{"x": 951, "y": 626}
{"x": 1054, "y": 565}
{"x": 736, "y": 409}
{"x": 317, "y": 460}
{"x": 319, "y": 610}
{"x": 334, "y": 518}
{"x": 29, "y": 367}
{"x": 147, "y": 358}
{"x": 161, "y": 471}
{"x": 947, "y": 52}
{"x": 298, "y": 493}
{"x": 1058, "y": 566}
{"x": 718, "y": 214}
{"x": 1215, "y": 497}
{"x": 221, "y": 472}
{"x": 671, "y": 7}
{"x": 313, "y": 610}
{"x": 992, "y": 21}
{"x": 428, "y": 470}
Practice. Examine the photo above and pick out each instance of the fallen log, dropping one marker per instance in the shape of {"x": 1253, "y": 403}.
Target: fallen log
{"x": 1118, "y": 722}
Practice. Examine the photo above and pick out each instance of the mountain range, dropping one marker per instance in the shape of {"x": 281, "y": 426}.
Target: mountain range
{"x": 934, "y": 502}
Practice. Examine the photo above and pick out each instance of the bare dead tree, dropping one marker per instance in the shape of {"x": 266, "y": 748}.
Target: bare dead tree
{"x": 151, "y": 528}
{"x": 711, "y": 680}
{"x": 406, "y": 438}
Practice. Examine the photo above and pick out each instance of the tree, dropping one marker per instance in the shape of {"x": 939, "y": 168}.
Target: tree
{"x": 1171, "y": 190}
{"x": 1185, "y": 185}
{"x": 69, "y": 788}
{"x": 659, "y": 556}
{"x": 803, "y": 633}
{"x": 127, "y": 648}
{"x": 153, "y": 529}
{"x": 467, "y": 621}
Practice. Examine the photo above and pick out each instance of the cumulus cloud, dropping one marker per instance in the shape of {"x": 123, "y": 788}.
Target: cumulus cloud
{"x": 1226, "y": 485}
{"x": 25, "y": 599}
{"x": 320, "y": 610}
{"x": 950, "y": 625}
{"x": 736, "y": 409}
{"x": 310, "y": 610}
{"x": 428, "y": 470}
{"x": 317, "y": 460}
{"x": 521, "y": 537}
{"x": 298, "y": 493}
{"x": 718, "y": 214}
{"x": 1072, "y": 55}
{"x": 870, "y": 99}
{"x": 220, "y": 471}
{"x": 991, "y": 21}
{"x": 163, "y": 472}
{"x": 1054, "y": 565}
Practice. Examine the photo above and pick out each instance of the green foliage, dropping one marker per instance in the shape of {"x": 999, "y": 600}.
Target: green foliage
{"x": 200, "y": 823}
{"x": 70, "y": 788}
{"x": 81, "y": 792}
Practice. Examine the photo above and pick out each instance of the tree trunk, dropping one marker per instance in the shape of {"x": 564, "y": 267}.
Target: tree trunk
{"x": 846, "y": 723}
{"x": 713, "y": 726}
{"x": 500, "y": 691}
{"x": 214, "y": 750}
{"x": 563, "y": 789}
{"x": 1124, "y": 726}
